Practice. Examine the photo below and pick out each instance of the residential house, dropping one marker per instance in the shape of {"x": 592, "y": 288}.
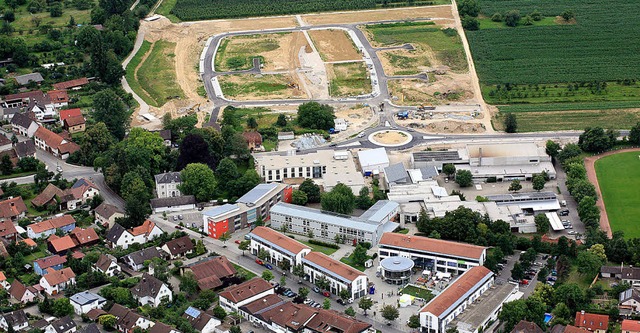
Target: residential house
{"x": 178, "y": 247}
{"x": 151, "y": 291}
{"x": 62, "y": 325}
{"x": 74, "y": 124}
{"x": 17, "y": 320}
{"x": 166, "y": 136}
{"x": 86, "y": 301}
{"x": 54, "y": 262}
{"x": 22, "y": 293}
{"x": 91, "y": 328}
{"x": 3, "y": 281}
{"x": 202, "y": 321}
{"x": 127, "y": 319}
{"x": 5, "y": 143}
{"x": 51, "y": 195}
{"x": 593, "y": 322}
{"x": 232, "y": 298}
{"x": 84, "y": 237}
{"x": 25, "y": 149}
{"x": 279, "y": 247}
{"x": 53, "y": 143}
{"x": 107, "y": 264}
{"x": 167, "y": 184}
{"x": 526, "y": 327}
{"x": 22, "y": 124}
{"x": 160, "y": 327}
{"x": 12, "y": 209}
{"x": 630, "y": 326}
{"x": 59, "y": 98}
{"x": 118, "y": 236}
{"x": 249, "y": 310}
{"x": 25, "y": 79}
{"x": 23, "y": 99}
{"x": 8, "y": 231}
{"x": 8, "y": 113}
{"x": 55, "y": 282}
{"x": 106, "y": 214}
{"x": 95, "y": 314}
{"x": 46, "y": 228}
{"x": 60, "y": 245}
{"x": 29, "y": 243}
{"x": 83, "y": 190}
{"x": 630, "y": 275}
{"x": 212, "y": 272}
{"x": 629, "y": 301}
{"x": 173, "y": 204}
{"x": 66, "y": 114}
{"x": 254, "y": 140}
{"x": 136, "y": 260}
{"x": 75, "y": 84}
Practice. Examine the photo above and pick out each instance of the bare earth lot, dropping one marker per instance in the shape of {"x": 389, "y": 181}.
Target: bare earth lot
{"x": 441, "y": 89}
{"x": 334, "y": 45}
{"x": 278, "y": 51}
{"x": 247, "y": 87}
{"x": 438, "y": 13}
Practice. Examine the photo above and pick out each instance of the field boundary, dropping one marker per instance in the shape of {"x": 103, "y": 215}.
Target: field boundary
{"x": 590, "y": 163}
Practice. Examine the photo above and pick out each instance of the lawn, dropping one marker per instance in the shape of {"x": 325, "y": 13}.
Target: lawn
{"x": 253, "y": 86}
{"x": 349, "y": 261}
{"x": 165, "y": 10}
{"x": 418, "y": 292}
{"x": 571, "y": 120}
{"x": 319, "y": 248}
{"x": 619, "y": 180}
{"x": 444, "y": 44}
{"x": 243, "y": 271}
{"x": 595, "y": 49}
{"x": 157, "y": 74}
{"x": 131, "y": 69}
{"x": 348, "y": 79}
{"x": 25, "y": 20}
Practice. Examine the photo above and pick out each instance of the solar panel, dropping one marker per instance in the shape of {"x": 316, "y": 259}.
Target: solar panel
{"x": 192, "y": 312}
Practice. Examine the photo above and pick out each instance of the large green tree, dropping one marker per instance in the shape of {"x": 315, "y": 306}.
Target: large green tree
{"x": 136, "y": 196}
{"x": 596, "y": 139}
{"x": 542, "y": 223}
{"x": 340, "y": 200}
{"x": 198, "y": 180}
{"x": 634, "y": 134}
{"x": 299, "y": 198}
{"x": 390, "y": 312}
{"x": 109, "y": 109}
{"x": 464, "y": 178}
{"x": 316, "y": 116}
{"x": 468, "y": 8}
{"x": 97, "y": 140}
{"x": 311, "y": 189}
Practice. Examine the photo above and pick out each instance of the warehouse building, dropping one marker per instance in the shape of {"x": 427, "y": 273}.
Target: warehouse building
{"x": 246, "y": 211}
{"x": 368, "y": 227}
{"x": 507, "y": 161}
{"x": 373, "y": 161}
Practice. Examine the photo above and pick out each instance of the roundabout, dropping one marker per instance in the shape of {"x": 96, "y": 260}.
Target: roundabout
{"x": 390, "y": 138}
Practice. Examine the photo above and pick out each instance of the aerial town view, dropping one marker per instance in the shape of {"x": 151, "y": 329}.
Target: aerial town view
{"x": 319, "y": 166}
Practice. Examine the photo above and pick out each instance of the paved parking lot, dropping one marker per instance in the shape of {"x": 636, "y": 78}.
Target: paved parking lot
{"x": 189, "y": 218}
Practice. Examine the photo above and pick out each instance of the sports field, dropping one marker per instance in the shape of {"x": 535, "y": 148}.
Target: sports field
{"x": 619, "y": 180}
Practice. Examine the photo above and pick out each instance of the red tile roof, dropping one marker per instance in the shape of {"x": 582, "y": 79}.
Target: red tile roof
{"x": 84, "y": 236}
{"x": 333, "y": 265}
{"x": 51, "y": 139}
{"x": 64, "y": 114}
{"x": 246, "y": 290}
{"x": 279, "y": 239}
{"x": 629, "y": 325}
{"x": 71, "y": 83}
{"x": 68, "y": 147}
{"x": 145, "y": 228}
{"x": 12, "y": 207}
{"x": 58, "y": 277}
{"x": 210, "y": 273}
{"x": 29, "y": 242}
{"x": 54, "y": 223}
{"x": 74, "y": 121}
{"x": 7, "y": 228}
{"x": 58, "y": 96}
{"x": 432, "y": 245}
{"x": 252, "y": 137}
{"x": 51, "y": 261}
{"x": 592, "y": 321}
{"x": 49, "y": 193}
{"x": 333, "y": 321}
{"x": 455, "y": 290}
{"x": 62, "y": 243}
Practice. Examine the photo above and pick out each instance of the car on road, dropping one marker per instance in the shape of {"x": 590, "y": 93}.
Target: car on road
{"x": 333, "y": 145}
{"x": 341, "y": 301}
{"x": 316, "y": 290}
{"x": 361, "y": 135}
{"x": 326, "y": 294}
{"x": 524, "y": 281}
{"x": 411, "y": 130}
{"x": 179, "y": 227}
{"x": 238, "y": 241}
{"x": 268, "y": 266}
{"x": 259, "y": 262}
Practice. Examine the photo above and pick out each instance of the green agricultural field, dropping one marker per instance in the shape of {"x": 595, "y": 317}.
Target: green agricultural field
{"x": 444, "y": 44}
{"x": 165, "y": 10}
{"x": 619, "y": 180}
{"x": 572, "y": 120}
{"x": 348, "y": 79}
{"x": 157, "y": 74}
{"x": 596, "y": 48}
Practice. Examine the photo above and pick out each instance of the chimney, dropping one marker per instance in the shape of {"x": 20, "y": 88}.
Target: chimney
{"x": 582, "y": 312}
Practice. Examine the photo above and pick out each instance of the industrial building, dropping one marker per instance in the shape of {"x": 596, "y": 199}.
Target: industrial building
{"x": 368, "y": 227}
{"x": 253, "y": 205}
{"x": 327, "y": 168}
{"x": 507, "y": 161}
{"x": 373, "y": 161}
{"x": 434, "y": 254}
{"x": 437, "y": 158}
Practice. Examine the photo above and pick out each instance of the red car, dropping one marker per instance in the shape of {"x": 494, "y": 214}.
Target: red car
{"x": 525, "y": 282}
{"x": 259, "y": 262}
{"x": 238, "y": 241}
{"x": 326, "y": 293}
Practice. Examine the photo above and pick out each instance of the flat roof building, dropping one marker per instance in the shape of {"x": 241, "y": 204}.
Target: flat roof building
{"x": 368, "y": 227}
{"x": 373, "y": 160}
{"x": 435, "y": 254}
{"x": 477, "y": 316}
{"x": 326, "y": 167}
{"x": 437, "y": 158}
{"x": 255, "y": 204}
{"x": 508, "y": 161}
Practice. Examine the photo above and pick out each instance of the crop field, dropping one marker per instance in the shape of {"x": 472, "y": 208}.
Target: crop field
{"x": 348, "y": 79}
{"x": 157, "y": 75}
{"x": 440, "y": 46}
{"x": 535, "y": 121}
{"x": 236, "y": 53}
{"x": 619, "y": 180}
{"x": 192, "y": 10}
{"x": 257, "y": 87}
{"x": 597, "y": 48}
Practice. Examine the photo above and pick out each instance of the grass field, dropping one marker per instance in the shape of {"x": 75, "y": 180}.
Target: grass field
{"x": 165, "y": 10}
{"x": 619, "y": 180}
{"x": 131, "y": 73}
{"x": 442, "y": 44}
{"x": 319, "y": 248}
{"x": 572, "y": 120}
{"x": 236, "y": 53}
{"x": 249, "y": 85}
{"x": 157, "y": 74}
{"x": 25, "y": 20}
{"x": 418, "y": 292}
{"x": 348, "y": 79}
{"x": 487, "y": 23}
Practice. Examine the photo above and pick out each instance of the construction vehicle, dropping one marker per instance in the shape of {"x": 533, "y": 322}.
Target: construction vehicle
{"x": 292, "y": 85}
{"x": 403, "y": 114}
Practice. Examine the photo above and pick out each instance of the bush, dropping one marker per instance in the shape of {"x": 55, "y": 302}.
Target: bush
{"x": 321, "y": 243}
{"x": 497, "y": 17}
{"x": 470, "y": 23}
{"x": 491, "y": 179}
{"x": 512, "y": 18}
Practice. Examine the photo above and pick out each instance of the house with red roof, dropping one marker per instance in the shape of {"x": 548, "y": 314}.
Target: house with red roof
{"x": 59, "y": 98}
{"x": 74, "y": 124}
{"x": 630, "y": 326}
{"x": 22, "y": 293}
{"x": 71, "y": 84}
{"x": 55, "y": 282}
{"x": 12, "y": 209}
{"x": 8, "y": 231}
{"x": 47, "y": 228}
{"x": 593, "y": 322}
{"x": 65, "y": 114}
{"x": 54, "y": 143}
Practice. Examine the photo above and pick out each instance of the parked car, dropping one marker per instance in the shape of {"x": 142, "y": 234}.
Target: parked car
{"x": 572, "y": 232}
{"x": 307, "y": 301}
{"x": 175, "y": 219}
{"x": 524, "y": 281}
{"x": 326, "y": 293}
{"x": 259, "y": 262}
{"x": 268, "y": 266}
{"x": 316, "y": 290}
{"x": 340, "y": 301}
{"x": 564, "y": 212}
{"x": 552, "y": 278}
{"x": 247, "y": 237}
{"x": 178, "y": 227}
{"x": 238, "y": 241}
{"x": 180, "y": 217}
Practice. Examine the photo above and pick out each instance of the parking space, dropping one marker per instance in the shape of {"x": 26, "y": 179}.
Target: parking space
{"x": 190, "y": 219}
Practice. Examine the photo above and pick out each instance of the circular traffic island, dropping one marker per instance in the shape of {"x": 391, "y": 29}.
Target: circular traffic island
{"x": 396, "y": 270}
{"x": 390, "y": 138}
